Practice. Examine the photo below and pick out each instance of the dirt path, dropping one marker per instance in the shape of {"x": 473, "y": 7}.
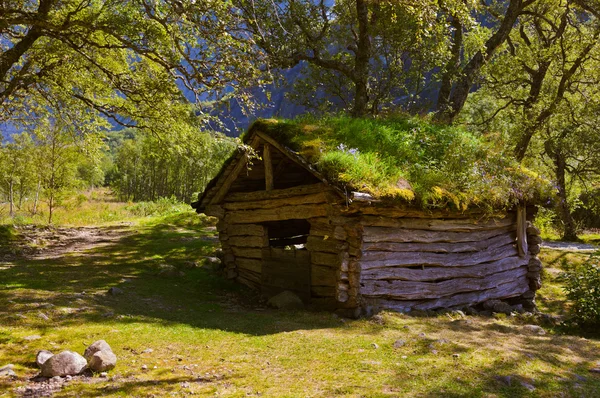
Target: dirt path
{"x": 54, "y": 242}
{"x": 570, "y": 246}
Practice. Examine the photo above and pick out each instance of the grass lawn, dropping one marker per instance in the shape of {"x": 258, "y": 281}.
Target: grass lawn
{"x": 211, "y": 337}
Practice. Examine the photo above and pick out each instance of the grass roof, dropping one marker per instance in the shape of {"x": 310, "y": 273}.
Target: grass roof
{"x": 412, "y": 160}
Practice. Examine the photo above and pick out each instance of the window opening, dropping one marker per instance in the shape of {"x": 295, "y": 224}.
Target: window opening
{"x": 288, "y": 234}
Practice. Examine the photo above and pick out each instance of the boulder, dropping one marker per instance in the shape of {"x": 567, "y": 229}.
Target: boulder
{"x": 102, "y": 361}
{"x": 534, "y": 329}
{"x": 7, "y": 371}
{"x": 286, "y": 301}
{"x": 42, "y": 356}
{"x": 63, "y": 364}
{"x": 99, "y": 345}
{"x": 115, "y": 291}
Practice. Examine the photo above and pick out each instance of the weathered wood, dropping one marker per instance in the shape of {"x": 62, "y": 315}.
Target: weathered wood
{"x": 282, "y": 213}
{"x": 245, "y": 230}
{"x": 323, "y": 276}
{"x": 534, "y": 240}
{"x": 382, "y": 234}
{"x": 250, "y": 264}
{"x": 328, "y": 259}
{"x": 231, "y": 177}
{"x": 502, "y": 291}
{"x": 214, "y": 211}
{"x": 249, "y": 241}
{"x": 268, "y": 167}
{"x": 276, "y": 193}
{"x": 318, "y": 197}
{"x": 251, "y": 276}
{"x": 330, "y": 245}
{"x": 406, "y": 290}
{"x": 299, "y": 160}
{"x": 449, "y": 225}
{"x": 440, "y": 273}
{"x": 323, "y": 291}
{"x": 372, "y": 260}
{"x": 458, "y": 247}
{"x": 398, "y": 212}
{"x": 248, "y": 280}
{"x": 248, "y": 252}
{"x": 286, "y": 270}
{"x": 522, "y": 231}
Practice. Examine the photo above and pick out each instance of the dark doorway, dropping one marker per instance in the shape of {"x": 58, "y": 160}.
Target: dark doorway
{"x": 286, "y": 262}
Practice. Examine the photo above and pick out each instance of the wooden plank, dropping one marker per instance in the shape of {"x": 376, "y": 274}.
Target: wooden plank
{"x": 429, "y": 274}
{"x": 252, "y": 276}
{"x": 286, "y": 270}
{"x": 522, "y": 231}
{"x": 276, "y": 193}
{"x": 299, "y": 160}
{"x": 450, "y": 225}
{"x": 229, "y": 179}
{"x": 502, "y": 291}
{"x": 249, "y": 241}
{"x": 328, "y": 259}
{"x": 372, "y": 260}
{"x": 330, "y": 245}
{"x": 399, "y": 212}
{"x": 323, "y": 276}
{"x": 214, "y": 211}
{"x": 268, "y": 167}
{"x": 245, "y": 230}
{"x": 248, "y": 252}
{"x": 249, "y": 264}
{"x": 322, "y": 291}
{"x": 406, "y": 290}
{"x": 458, "y": 247}
{"x": 278, "y": 214}
{"x": 382, "y": 234}
{"x": 318, "y": 197}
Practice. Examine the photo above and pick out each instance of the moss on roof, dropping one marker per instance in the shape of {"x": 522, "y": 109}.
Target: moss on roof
{"x": 412, "y": 160}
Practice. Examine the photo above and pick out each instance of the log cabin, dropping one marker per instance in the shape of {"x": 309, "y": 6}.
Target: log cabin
{"x": 284, "y": 224}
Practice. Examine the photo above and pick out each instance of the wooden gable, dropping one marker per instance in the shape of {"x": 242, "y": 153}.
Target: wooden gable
{"x": 271, "y": 167}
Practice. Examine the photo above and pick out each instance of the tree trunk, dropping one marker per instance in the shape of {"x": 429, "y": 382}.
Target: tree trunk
{"x": 570, "y": 230}
{"x": 50, "y": 207}
{"x": 11, "y": 198}
{"x": 469, "y": 73}
{"x": 37, "y": 197}
{"x": 451, "y": 67}
{"x": 361, "y": 63}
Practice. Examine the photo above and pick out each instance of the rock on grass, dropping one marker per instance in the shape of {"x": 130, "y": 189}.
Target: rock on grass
{"x": 63, "y": 364}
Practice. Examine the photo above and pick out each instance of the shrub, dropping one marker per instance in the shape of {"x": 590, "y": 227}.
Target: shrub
{"x": 582, "y": 286}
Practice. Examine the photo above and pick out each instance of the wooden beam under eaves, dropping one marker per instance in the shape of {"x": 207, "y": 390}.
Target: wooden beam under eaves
{"x": 268, "y": 167}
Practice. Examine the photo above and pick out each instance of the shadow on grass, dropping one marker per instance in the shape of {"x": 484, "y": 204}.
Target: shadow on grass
{"x": 160, "y": 272}
{"x": 506, "y": 373}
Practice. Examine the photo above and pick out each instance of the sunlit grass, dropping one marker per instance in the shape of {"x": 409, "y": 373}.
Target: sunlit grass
{"x": 210, "y": 336}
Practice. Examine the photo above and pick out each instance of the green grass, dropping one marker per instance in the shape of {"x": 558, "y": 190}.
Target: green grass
{"x": 412, "y": 160}
{"x": 212, "y": 337}
{"x": 97, "y": 207}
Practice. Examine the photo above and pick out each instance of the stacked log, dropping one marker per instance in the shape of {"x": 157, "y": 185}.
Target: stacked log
{"x": 419, "y": 263}
{"x": 535, "y": 265}
{"x": 327, "y": 254}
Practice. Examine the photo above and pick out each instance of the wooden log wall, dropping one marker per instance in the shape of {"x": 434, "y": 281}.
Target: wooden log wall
{"x": 334, "y": 281}
{"x": 420, "y": 263}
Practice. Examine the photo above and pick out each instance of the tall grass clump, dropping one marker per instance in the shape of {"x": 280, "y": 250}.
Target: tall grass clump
{"x": 411, "y": 159}
{"x": 159, "y": 207}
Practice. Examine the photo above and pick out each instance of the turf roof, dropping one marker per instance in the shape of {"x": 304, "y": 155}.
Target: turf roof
{"x": 411, "y": 160}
